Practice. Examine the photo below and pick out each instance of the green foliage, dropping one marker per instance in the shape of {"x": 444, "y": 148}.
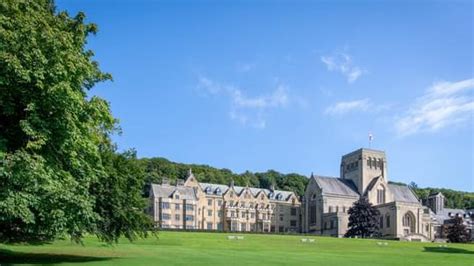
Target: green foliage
{"x": 54, "y": 140}
{"x": 363, "y": 219}
{"x": 454, "y": 199}
{"x": 457, "y": 231}
{"x": 118, "y": 198}
{"x": 157, "y": 168}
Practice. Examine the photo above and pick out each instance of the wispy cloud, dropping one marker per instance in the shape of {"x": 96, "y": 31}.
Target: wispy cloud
{"x": 443, "y": 104}
{"x": 343, "y": 63}
{"x": 341, "y": 108}
{"x": 247, "y": 110}
{"x": 245, "y": 67}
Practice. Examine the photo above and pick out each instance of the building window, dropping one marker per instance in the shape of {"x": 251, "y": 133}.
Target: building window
{"x": 264, "y": 216}
{"x": 332, "y": 224}
{"x": 330, "y": 209}
{"x": 189, "y": 218}
{"x": 219, "y": 226}
{"x": 381, "y": 195}
{"x": 219, "y": 202}
{"x": 281, "y": 217}
{"x": 232, "y": 214}
{"x": 165, "y": 216}
{"x": 209, "y": 212}
{"x": 293, "y": 223}
{"x": 381, "y": 222}
{"x": 219, "y": 213}
{"x": 209, "y": 226}
{"x": 243, "y": 214}
{"x": 293, "y": 211}
{"x": 252, "y": 215}
{"x": 281, "y": 229}
{"x": 177, "y": 217}
{"x": 176, "y": 196}
{"x": 243, "y": 227}
{"x": 209, "y": 202}
{"x": 387, "y": 221}
{"x": 189, "y": 207}
{"x": 312, "y": 214}
{"x": 165, "y": 205}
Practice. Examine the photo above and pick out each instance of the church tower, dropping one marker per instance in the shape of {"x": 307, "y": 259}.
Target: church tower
{"x": 362, "y": 166}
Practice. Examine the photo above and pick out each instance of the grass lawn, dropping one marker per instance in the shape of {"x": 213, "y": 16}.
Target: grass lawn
{"x": 181, "y": 248}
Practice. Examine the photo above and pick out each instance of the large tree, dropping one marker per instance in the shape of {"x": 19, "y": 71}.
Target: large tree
{"x": 363, "y": 219}
{"x": 52, "y": 135}
{"x": 457, "y": 231}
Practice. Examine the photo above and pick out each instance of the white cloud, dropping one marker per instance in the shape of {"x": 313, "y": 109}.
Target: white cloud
{"x": 341, "y": 108}
{"x": 247, "y": 110}
{"x": 343, "y": 63}
{"x": 444, "y": 104}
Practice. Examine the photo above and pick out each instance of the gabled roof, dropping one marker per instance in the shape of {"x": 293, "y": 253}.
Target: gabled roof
{"x": 277, "y": 194}
{"x": 337, "y": 186}
{"x": 166, "y": 191}
{"x": 402, "y": 193}
{"x": 216, "y": 189}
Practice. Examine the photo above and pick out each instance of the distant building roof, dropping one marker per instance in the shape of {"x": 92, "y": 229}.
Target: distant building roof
{"x": 337, "y": 186}
{"x": 166, "y": 191}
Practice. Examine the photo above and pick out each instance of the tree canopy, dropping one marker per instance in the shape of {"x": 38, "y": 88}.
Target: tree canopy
{"x": 52, "y": 135}
{"x": 457, "y": 231}
{"x": 363, "y": 219}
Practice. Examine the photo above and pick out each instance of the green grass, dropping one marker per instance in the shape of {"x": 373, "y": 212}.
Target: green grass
{"x": 182, "y": 248}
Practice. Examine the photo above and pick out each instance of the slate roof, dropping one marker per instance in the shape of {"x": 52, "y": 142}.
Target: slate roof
{"x": 402, "y": 193}
{"x": 444, "y": 214}
{"x": 337, "y": 186}
{"x": 166, "y": 191}
{"x": 217, "y": 189}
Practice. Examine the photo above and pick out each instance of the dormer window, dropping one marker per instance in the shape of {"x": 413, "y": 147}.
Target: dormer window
{"x": 218, "y": 191}
{"x": 176, "y": 196}
{"x": 279, "y": 197}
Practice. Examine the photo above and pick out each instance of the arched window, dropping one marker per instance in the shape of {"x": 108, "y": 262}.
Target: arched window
{"x": 387, "y": 220}
{"x": 409, "y": 221}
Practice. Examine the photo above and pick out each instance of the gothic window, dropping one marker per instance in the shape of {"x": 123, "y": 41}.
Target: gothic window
{"x": 312, "y": 214}
{"x": 381, "y": 222}
{"x": 380, "y": 195}
{"x": 387, "y": 221}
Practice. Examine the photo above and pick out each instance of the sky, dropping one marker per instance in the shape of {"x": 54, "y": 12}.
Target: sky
{"x": 257, "y": 85}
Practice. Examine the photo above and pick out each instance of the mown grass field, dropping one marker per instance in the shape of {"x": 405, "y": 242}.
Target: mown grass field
{"x": 183, "y": 248}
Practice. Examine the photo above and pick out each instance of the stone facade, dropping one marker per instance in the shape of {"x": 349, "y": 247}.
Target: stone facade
{"x": 322, "y": 210}
{"x": 224, "y": 208}
{"x": 364, "y": 174}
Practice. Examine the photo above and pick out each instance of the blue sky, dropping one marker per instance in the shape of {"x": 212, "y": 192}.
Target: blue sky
{"x": 292, "y": 87}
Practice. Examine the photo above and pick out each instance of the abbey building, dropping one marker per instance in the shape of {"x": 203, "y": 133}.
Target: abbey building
{"x": 323, "y": 210}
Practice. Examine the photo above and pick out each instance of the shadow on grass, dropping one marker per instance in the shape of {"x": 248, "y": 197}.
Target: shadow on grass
{"x": 10, "y": 257}
{"x": 448, "y": 250}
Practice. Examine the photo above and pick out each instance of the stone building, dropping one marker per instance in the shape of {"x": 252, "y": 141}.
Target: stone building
{"x": 443, "y": 217}
{"x": 323, "y": 209}
{"x": 363, "y": 173}
{"x": 195, "y": 205}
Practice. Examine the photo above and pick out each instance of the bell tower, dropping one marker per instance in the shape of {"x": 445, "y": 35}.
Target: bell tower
{"x": 362, "y": 166}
